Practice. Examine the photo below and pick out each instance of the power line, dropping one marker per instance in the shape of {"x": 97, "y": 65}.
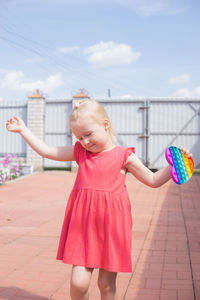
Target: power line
{"x": 40, "y": 52}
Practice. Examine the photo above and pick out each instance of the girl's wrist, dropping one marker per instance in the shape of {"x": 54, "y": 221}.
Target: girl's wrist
{"x": 23, "y": 130}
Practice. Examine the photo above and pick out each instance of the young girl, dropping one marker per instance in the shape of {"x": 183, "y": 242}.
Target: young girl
{"x": 97, "y": 227}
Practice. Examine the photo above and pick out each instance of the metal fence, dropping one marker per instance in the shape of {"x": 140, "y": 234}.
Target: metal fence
{"x": 150, "y": 125}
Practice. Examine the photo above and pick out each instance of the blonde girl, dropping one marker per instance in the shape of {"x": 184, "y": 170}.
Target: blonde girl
{"x": 97, "y": 226}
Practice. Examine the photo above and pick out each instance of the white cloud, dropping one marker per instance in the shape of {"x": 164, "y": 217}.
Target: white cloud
{"x": 15, "y": 80}
{"x": 106, "y": 54}
{"x": 187, "y": 93}
{"x": 152, "y": 7}
{"x": 10, "y": 78}
{"x": 181, "y": 79}
{"x": 146, "y": 7}
{"x": 66, "y": 50}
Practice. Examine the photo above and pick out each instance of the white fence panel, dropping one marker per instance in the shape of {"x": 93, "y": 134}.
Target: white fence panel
{"x": 57, "y": 132}
{"x": 12, "y": 143}
{"x": 127, "y": 118}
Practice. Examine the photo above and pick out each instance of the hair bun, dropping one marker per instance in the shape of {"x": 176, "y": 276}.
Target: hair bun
{"x": 76, "y": 105}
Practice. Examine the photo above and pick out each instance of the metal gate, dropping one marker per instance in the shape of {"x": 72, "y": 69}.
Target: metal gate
{"x": 173, "y": 122}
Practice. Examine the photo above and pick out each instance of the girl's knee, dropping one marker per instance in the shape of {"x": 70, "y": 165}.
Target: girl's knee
{"x": 107, "y": 283}
{"x": 78, "y": 286}
{"x": 80, "y": 280}
{"x": 106, "y": 287}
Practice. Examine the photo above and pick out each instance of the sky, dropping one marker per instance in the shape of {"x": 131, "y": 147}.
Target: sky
{"x": 135, "y": 48}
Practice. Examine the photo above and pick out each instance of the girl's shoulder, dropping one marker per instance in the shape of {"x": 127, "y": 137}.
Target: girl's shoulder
{"x": 78, "y": 149}
{"x": 126, "y": 153}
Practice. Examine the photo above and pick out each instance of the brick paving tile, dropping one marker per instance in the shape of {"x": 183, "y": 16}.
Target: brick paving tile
{"x": 177, "y": 284}
{"x": 177, "y": 267}
{"x": 185, "y": 295}
{"x": 150, "y": 258}
{"x": 183, "y": 259}
{"x": 184, "y": 275}
{"x": 148, "y": 291}
{"x": 166, "y": 224}
{"x": 196, "y": 267}
{"x": 177, "y": 255}
{"x": 136, "y": 296}
{"x": 169, "y": 275}
{"x": 143, "y": 293}
{"x": 197, "y": 289}
{"x": 153, "y": 283}
{"x": 156, "y": 267}
{"x": 170, "y": 259}
{"x": 168, "y": 295}
{"x": 195, "y": 257}
{"x": 137, "y": 283}
{"x": 196, "y": 275}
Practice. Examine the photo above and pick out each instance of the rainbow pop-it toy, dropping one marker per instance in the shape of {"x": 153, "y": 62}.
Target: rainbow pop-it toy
{"x": 182, "y": 166}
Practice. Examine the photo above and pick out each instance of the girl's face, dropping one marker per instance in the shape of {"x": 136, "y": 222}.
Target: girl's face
{"x": 93, "y": 136}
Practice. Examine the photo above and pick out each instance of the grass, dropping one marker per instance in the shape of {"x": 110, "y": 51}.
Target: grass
{"x": 197, "y": 172}
{"x": 57, "y": 169}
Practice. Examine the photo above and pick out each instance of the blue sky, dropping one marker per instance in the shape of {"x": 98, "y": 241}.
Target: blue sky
{"x": 134, "y": 47}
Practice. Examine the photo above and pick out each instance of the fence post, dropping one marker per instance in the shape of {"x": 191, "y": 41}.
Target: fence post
{"x": 36, "y": 123}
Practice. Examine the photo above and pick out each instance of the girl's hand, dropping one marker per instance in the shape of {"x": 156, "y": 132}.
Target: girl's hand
{"x": 17, "y": 126}
{"x": 185, "y": 151}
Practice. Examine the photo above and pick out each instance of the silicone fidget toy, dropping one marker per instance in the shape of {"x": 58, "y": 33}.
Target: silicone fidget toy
{"x": 182, "y": 166}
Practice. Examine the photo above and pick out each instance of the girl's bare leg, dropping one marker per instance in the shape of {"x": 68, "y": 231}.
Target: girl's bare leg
{"x": 80, "y": 281}
{"x": 107, "y": 284}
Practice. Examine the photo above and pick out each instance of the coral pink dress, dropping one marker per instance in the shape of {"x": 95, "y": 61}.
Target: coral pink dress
{"x": 97, "y": 227}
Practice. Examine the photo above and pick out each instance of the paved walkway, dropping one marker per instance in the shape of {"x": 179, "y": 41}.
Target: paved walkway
{"x": 166, "y": 240}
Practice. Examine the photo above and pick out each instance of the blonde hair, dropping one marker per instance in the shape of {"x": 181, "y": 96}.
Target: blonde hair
{"x": 93, "y": 109}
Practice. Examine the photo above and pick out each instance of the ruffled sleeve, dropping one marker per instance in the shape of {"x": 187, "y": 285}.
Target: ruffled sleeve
{"x": 77, "y": 150}
{"x": 127, "y": 153}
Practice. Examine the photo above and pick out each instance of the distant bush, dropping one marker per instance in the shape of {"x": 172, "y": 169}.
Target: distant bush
{"x": 10, "y": 168}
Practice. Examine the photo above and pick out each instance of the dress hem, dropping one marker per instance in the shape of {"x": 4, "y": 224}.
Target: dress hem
{"x": 110, "y": 269}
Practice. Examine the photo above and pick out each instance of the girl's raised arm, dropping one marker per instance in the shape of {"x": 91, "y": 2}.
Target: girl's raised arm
{"x": 146, "y": 176}
{"x": 54, "y": 153}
